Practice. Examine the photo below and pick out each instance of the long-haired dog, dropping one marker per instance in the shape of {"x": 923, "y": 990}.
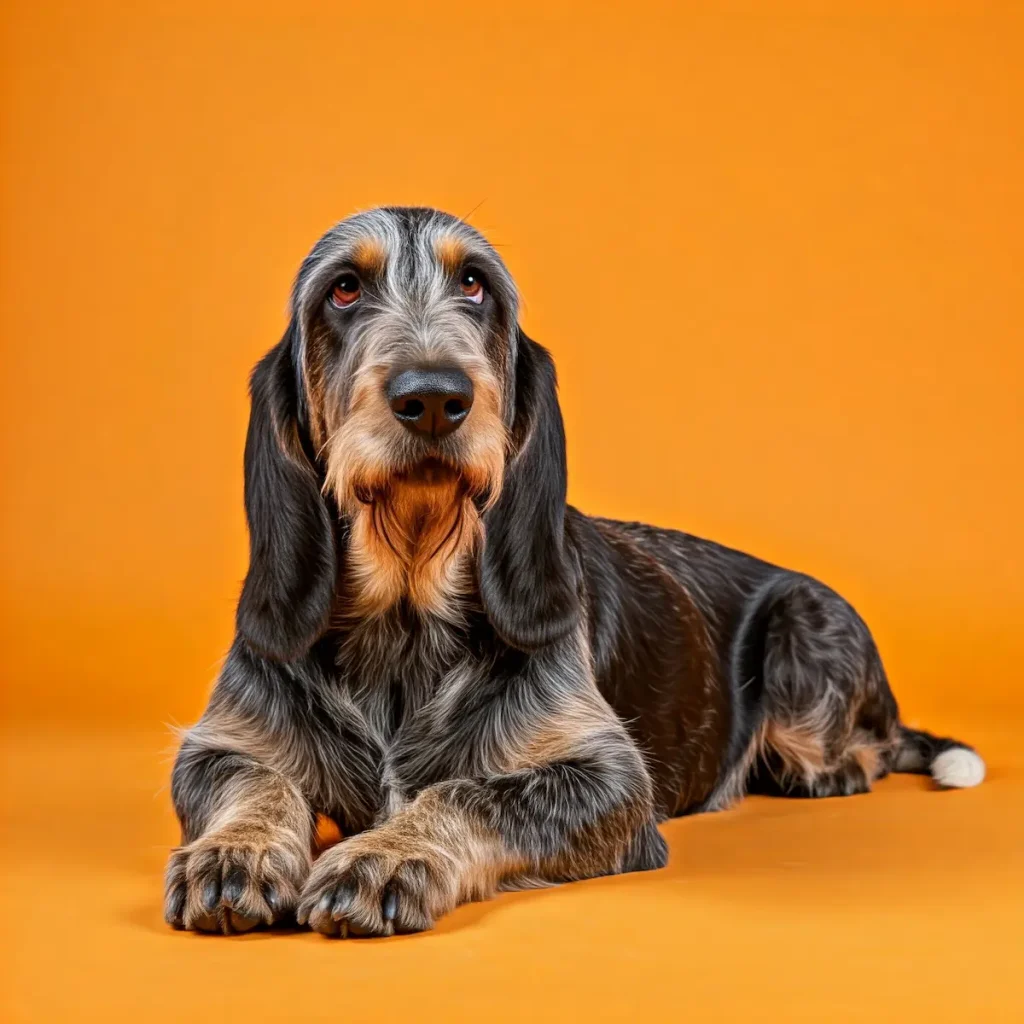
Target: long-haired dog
{"x": 484, "y": 688}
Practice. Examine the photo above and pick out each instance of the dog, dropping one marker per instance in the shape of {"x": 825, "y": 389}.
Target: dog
{"x": 484, "y": 688}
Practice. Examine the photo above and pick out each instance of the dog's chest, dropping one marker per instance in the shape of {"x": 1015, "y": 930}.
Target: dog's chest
{"x": 407, "y": 682}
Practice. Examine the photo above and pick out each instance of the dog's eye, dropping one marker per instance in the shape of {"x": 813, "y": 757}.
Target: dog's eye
{"x": 346, "y": 290}
{"x": 472, "y": 287}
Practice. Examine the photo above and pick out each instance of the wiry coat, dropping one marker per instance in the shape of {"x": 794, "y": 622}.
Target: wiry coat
{"x": 483, "y": 687}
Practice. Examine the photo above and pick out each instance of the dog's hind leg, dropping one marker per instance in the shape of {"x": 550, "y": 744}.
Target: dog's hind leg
{"x": 773, "y": 776}
{"x": 830, "y": 724}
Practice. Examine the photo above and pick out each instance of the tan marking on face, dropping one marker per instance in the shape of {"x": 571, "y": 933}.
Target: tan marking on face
{"x": 369, "y": 256}
{"x": 485, "y": 440}
{"x": 413, "y": 534}
{"x": 360, "y": 450}
{"x": 369, "y": 259}
{"x": 314, "y": 375}
{"x": 450, "y": 252}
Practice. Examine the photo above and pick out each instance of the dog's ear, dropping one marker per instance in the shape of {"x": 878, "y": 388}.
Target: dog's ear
{"x": 286, "y": 600}
{"x": 528, "y": 582}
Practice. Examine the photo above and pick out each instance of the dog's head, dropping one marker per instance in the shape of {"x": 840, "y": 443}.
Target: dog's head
{"x": 405, "y": 436}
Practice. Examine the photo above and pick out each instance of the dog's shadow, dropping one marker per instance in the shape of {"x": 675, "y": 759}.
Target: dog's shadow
{"x": 147, "y": 917}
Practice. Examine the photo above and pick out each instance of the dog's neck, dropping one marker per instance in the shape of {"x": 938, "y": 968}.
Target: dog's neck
{"x": 415, "y": 540}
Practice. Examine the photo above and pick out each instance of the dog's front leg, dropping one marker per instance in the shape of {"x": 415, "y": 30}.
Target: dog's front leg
{"x": 579, "y": 806}
{"x": 247, "y": 833}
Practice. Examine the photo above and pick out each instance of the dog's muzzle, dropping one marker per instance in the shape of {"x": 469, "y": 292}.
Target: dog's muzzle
{"x": 430, "y": 402}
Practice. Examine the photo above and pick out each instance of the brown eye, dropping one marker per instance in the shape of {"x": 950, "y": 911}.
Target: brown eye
{"x": 472, "y": 287}
{"x": 346, "y": 290}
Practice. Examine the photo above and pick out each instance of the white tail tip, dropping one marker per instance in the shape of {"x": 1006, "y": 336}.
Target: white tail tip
{"x": 958, "y": 768}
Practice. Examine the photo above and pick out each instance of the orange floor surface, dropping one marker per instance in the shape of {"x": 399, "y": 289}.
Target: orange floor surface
{"x": 902, "y": 905}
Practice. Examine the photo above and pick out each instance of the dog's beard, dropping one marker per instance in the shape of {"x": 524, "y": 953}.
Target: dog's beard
{"x": 419, "y": 512}
{"x": 413, "y": 534}
{"x": 430, "y": 474}
{"x": 415, "y": 508}
{"x": 364, "y": 465}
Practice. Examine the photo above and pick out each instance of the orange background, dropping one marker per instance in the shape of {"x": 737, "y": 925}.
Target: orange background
{"x": 777, "y": 254}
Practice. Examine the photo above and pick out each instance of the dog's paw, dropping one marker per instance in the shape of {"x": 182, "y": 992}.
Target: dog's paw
{"x": 233, "y": 881}
{"x": 369, "y": 886}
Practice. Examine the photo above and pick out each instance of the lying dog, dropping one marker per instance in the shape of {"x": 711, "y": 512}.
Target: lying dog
{"x": 485, "y": 688}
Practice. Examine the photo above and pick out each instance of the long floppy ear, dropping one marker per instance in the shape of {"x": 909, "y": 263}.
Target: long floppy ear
{"x": 527, "y": 580}
{"x": 286, "y": 600}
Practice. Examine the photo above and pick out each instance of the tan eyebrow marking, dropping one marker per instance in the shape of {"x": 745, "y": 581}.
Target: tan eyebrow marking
{"x": 450, "y": 252}
{"x": 369, "y": 255}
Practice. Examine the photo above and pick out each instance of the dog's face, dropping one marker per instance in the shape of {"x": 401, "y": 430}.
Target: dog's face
{"x": 408, "y": 338}
{"x": 405, "y": 443}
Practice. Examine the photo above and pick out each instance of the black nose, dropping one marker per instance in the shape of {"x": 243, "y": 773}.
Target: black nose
{"x": 430, "y": 402}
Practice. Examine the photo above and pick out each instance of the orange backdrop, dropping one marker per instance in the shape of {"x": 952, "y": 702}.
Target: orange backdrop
{"x": 777, "y": 254}
{"x": 778, "y": 260}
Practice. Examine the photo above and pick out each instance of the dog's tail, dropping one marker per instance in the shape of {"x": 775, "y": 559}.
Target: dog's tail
{"x": 949, "y": 762}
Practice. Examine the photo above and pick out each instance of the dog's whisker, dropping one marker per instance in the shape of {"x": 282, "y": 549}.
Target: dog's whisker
{"x": 465, "y": 218}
